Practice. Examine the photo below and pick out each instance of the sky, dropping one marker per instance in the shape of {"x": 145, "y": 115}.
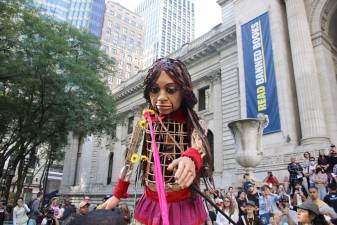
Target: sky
{"x": 207, "y": 13}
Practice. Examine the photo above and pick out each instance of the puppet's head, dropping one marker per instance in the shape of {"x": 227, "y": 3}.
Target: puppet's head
{"x": 177, "y": 72}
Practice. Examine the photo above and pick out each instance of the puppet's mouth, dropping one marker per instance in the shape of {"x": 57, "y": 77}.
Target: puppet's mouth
{"x": 163, "y": 106}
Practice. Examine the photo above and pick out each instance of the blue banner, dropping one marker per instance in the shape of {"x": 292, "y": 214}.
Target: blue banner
{"x": 261, "y": 92}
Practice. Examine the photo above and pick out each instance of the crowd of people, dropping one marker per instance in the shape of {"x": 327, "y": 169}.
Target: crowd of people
{"x": 310, "y": 194}
{"x": 310, "y": 190}
{"x": 56, "y": 212}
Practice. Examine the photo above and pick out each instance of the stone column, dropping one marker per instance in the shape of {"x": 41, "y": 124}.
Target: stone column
{"x": 218, "y": 156}
{"x": 312, "y": 120}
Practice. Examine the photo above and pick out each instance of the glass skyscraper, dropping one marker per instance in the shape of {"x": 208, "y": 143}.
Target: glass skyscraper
{"x": 168, "y": 25}
{"x": 57, "y": 9}
{"x": 87, "y": 14}
{"x": 83, "y": 14}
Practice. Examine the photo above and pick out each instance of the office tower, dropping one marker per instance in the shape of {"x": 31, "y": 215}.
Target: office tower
{"x": 122, "y": 38}
{"x": 57, "y": 9}
{"x": 83, "y": 14}
{"x": 87, "y": 14}
{"x": 168, "y": 25}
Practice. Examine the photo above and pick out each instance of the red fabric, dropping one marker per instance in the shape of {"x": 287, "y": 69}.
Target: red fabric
{"x": 121, "y": 189}
{"x": 194, "y": 155}
{"x": 176, "y": 116}
{"x": 174, "y": 196}
{"x": 272, "y": 180}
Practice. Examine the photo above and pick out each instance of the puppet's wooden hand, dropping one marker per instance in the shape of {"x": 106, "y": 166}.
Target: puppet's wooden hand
{"x": 185, "y": 171}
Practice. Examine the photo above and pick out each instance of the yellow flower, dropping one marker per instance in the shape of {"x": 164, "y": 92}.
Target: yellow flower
{"x": 144, "y": 158}
{"x": 142, "y": 123}
{"x": 134, "y": 158}
{"x": 150, "y": 111}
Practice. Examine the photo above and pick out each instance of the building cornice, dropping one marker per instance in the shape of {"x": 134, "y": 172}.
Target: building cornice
{"x": 212, "y": 42}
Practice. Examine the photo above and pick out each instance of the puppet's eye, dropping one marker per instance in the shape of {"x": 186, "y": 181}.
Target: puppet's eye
{"x": 154, "y": 90}
{"x": 171, "y": 89}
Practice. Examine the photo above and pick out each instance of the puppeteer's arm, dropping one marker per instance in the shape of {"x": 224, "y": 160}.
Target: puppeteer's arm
{"x": 121, "y": 187}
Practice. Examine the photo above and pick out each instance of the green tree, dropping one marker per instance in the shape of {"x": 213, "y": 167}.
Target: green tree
{"x": 51, "y": 82}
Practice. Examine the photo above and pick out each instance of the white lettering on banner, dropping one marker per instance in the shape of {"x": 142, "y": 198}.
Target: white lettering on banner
{"x": 259, "y": 66}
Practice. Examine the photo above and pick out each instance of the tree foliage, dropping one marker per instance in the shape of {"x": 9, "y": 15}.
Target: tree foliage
{"x": 51, "y": 83}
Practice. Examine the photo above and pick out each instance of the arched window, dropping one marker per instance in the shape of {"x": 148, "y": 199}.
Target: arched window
{"x": 111, "y": 159}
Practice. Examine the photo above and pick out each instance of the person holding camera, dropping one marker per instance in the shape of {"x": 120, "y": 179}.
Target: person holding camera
{"x": 299, "y": 195}
{"x": 285, "y": 216}
{"x": 271, "y": 179}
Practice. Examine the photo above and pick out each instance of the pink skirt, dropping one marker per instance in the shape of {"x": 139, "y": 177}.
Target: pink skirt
{"x": 186, "y": 212}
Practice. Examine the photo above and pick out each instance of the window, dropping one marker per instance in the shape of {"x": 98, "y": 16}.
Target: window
{"x": 111, "y": 158}
{"x": 130, "y": 124}
{"x": 203, "y": 95}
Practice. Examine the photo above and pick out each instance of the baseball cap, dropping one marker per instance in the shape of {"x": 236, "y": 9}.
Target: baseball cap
{"x": 250, "y": 185}
{"x": 83, "y": 204}
{"x": 307, "y": 205}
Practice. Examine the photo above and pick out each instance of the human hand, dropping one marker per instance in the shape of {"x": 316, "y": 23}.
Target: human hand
{"x": 185, "y": 171}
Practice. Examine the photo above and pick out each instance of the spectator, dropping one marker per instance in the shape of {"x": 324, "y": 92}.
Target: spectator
{"x": 332, "y": 159}
{"x": 306, "y": 167}
{"x": 252, "y": 194}
{"x": 20, "y": 213}
{"x": 312, "y": 171}
{"x": 126, "y": 213}
{"x": 87, "y": 199}
{"x": 230, "y": 210}
{"x": 267, "y": 204}
{"x": 84, "y": 208}
{"x": 286, "y": 183}
{"x": 230, "y": 193}
{"x": 308, "y": 213}
{"x": 68, "y": 211}
{"x": 299, "y": 195}
{"x": 69, "y": 214}
{"x": 249, "y": 218}
{"x": 321, "y": 180}
{"x": 247, "y": 180}
{"x": 210, "y": 208}
{"x": 331, "y": 198}
{"x": 282, "y": 194}
{"x": 35, "y": 213}
{"x": 324, "y": 208}
{"x": 285, "y": 215}
{"x": 2, "y": 211}
{"x": 322, "y": 160}
{"x": 295, "y": 173}
{"x": 270, "y": 179}
{"x": 242, "y": 201}
{"x": 55, "y": 208}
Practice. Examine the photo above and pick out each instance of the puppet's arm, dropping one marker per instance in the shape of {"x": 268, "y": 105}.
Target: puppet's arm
{"x": 197, "y": 151}
{"x": 121, "y": 187}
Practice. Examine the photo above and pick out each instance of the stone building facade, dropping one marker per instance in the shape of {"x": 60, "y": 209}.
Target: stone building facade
{"x": 304, "y": 42}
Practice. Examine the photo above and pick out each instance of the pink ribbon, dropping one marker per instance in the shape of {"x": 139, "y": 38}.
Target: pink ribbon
{"x": 158, "y": 174}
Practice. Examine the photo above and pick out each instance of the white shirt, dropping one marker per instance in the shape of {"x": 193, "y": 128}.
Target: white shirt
{"x": 221, "y": 220}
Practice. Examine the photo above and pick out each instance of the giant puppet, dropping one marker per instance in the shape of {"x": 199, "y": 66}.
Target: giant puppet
{"x": 180, "y": 139}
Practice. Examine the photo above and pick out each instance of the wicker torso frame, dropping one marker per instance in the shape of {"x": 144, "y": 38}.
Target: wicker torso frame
{"x": 168, "y": 151}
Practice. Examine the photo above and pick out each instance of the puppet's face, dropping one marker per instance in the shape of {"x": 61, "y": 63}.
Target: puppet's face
{"x": 165, "y": 94}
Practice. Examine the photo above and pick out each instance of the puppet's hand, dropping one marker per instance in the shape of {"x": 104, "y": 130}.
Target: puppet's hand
{"x": 185, "y": 171}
